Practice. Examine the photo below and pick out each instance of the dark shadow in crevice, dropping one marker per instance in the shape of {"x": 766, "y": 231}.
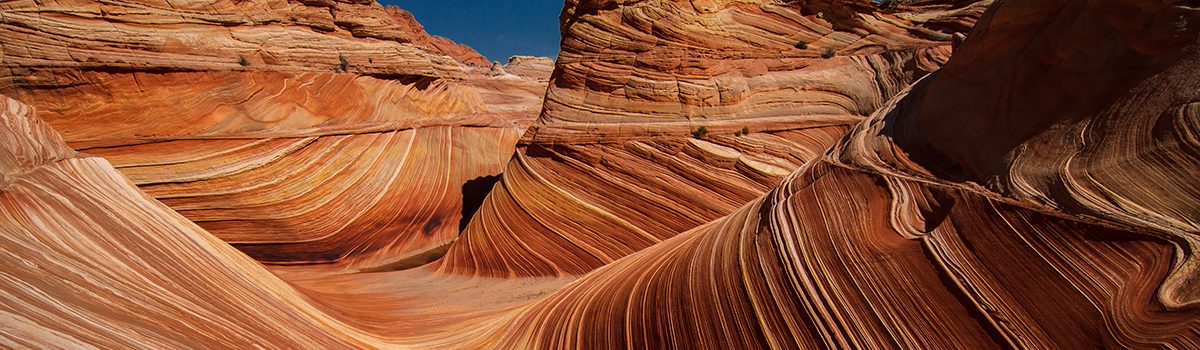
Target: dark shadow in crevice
{"x": 474, "y": 192}
{"x": 413, "y": 261}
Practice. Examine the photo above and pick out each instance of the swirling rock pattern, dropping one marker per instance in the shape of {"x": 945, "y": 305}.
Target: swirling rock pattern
{"x": 902, "y": 264}
{"x": 276, "y": 35}
{"x": 89, "y": 261}
{"x": 610, "y": 168}
{"x": 1106, "y": 132}
{"x": 262, "y": 156}
{"x": 904, "y": 235}
{"x": 900, "y": 234}
{"x": 277, "y": 154}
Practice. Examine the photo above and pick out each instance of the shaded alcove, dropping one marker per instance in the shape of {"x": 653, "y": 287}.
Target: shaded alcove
{"x": 474, "y": 192}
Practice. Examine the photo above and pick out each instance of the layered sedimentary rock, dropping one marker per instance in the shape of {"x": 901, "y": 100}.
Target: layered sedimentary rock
{"x": 299, "y": 132}
{"x": 998, "y": 204}
{"x": 1103, "y": 126}
{"x": 91, "y": 261}
{"x": 1070, "y": 225}
{"x": 416, "y": 33}
{"x": 839, "y": 257}
{"x": 527, "y": 67}
{"x": 273, "y": 35}
{"x": 642, "y": 134}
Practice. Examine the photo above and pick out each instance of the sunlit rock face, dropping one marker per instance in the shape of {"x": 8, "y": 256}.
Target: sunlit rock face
{"x": 416, "y": 32}
{"x": 1038, "y": 191}
{"x": 530, "y": 67}
{"x": 641, "y": 137}
{"x": 90, "y": 261}
{"x": 206, "y": 35}
{"x": 298, "y": 132}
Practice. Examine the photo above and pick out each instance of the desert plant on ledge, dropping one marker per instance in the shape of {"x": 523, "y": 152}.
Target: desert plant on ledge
{"x": 343, "y": 64}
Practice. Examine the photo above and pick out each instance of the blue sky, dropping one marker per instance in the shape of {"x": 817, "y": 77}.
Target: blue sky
{"x": 497, "y": 29}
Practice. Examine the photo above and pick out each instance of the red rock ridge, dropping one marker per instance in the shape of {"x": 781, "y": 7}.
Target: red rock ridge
{"x": 416, "y": 32}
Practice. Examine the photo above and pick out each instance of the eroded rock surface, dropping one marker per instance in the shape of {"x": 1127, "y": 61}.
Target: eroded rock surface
{"x": 299, "y": 132}
{"x": 91, "y": 261}
{"x": 642, "y": 136}
{"x": 1038, "y": 191}
{"x": 997, "y": 204}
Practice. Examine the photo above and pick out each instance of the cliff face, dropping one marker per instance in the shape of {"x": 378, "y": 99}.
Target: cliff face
{"x": 641, "y": 135}
{"x": 299, "y": 132}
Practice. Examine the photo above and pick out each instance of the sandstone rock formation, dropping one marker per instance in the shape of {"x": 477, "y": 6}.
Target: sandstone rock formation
{"x": 91, "y": 261}
{"x": 299, "y": 132}
{"x": 530, "y": 67}
{"x": 611, "y": 166}
{"x": 1036, "y": 191}
{"x": 274, "y": 35}
{"x": 416, "y": 33}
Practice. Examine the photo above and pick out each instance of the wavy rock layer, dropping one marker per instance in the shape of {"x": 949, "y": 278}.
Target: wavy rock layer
{"x": 89, "y": 260}
{"x": 275, "y": 35}
{"x": 1107, "y": 132}
{"x": 322, "y": 199}
{"x": 893, "y": 237}
{"x": 893, "y": 240}
{"x": 668, "y": 67}
{"x": 284, "y": 158}
{"x": 609, "y": 168}
{"x": 311, "y": 167}
{"x": 902, "y": 264}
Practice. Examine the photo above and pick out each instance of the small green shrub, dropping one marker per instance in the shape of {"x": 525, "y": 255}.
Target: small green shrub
{"x": 745, "y": 131}
{"x": 343, "y": 63}
{"x": 828, "y": 53}
{"x": 700, "y": 133}
{"x": 243, "y": 61}
{"x": 891, "y": 4}
{"x": 957, "y": 40}
{"x": 802, "y": 45}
